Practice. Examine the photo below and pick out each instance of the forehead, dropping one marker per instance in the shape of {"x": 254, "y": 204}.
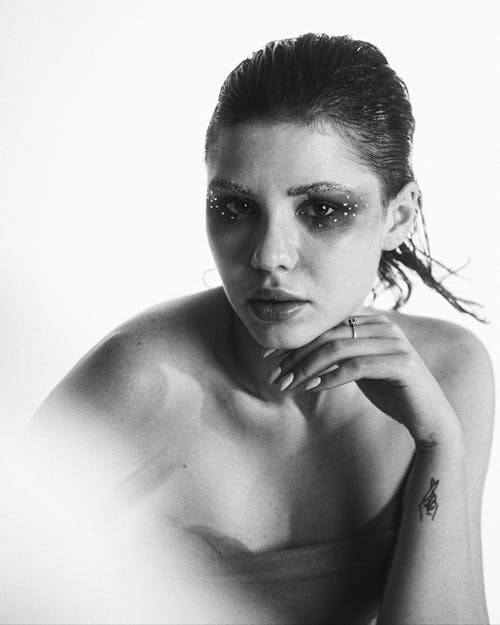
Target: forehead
{"x": 268, "y": 155}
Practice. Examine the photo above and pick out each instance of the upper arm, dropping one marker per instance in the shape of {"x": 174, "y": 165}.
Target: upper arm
{"x": 466, "y": 378}
{"x": 116, "y": 381}
{"x": 101, "y": 411}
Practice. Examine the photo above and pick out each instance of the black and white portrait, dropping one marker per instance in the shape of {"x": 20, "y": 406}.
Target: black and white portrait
{"x": 249, "y": 318}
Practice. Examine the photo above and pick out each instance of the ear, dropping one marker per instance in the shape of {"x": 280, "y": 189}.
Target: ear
{"x": 401, "y": 214}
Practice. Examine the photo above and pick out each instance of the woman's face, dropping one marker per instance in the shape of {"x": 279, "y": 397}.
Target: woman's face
{"x": 266, "y": 230}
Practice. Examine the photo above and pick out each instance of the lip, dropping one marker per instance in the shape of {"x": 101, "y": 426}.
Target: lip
{"x": 267, "y": 310}
{"x": 275, "y": 294}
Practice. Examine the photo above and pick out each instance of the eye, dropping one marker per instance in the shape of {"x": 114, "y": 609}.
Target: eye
{"x": 319, "y": 210}
{"x": 229, "y": 207}
{"x": 237, "y": 206}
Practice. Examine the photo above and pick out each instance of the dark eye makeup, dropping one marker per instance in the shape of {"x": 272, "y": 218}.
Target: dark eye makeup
{"x": 328, "y": 213}
{"x": 319, "y": 212}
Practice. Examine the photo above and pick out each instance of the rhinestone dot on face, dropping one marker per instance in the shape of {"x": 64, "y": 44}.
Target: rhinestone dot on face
{"x": 213, "y": 201}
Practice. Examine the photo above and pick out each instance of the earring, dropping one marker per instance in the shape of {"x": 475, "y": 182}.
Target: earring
{"x": 215, "y": 283}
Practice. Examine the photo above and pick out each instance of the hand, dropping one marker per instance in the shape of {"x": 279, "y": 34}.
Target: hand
{"x": 384, "y": 365}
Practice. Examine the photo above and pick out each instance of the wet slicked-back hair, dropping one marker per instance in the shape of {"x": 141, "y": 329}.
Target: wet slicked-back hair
{"x": 324, "y": 81}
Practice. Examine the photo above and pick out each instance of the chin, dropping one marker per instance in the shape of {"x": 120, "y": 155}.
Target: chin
{"x": 294, "y": 332}
{"x": 282, "y": 336}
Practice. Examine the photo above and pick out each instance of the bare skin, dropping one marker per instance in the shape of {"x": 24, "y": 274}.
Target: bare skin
{"x": 270, "y": 474}
{"x": 176, "y": 416}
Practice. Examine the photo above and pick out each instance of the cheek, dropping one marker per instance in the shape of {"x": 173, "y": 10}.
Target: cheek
{"x": 346, "y": 263}
{"x": 231, "y": 245}
{"x": 225, "y": 254}
{"x": 221, "y": 243}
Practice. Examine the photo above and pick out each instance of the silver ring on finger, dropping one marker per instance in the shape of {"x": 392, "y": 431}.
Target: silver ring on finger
{"x": 352, "y": 321}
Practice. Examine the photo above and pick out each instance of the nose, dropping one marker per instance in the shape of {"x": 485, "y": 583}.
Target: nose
{"x": 276, "y": 247}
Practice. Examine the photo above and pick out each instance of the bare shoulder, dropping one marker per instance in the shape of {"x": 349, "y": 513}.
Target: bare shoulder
{"x": 444, "y": 346}
{"x": 462, "y": 366}
{"x": 132, "y": 373}
{"x": 129, "y": 397}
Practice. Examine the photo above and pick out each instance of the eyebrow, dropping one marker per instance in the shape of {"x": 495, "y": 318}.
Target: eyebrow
{"x": 229, "y": 185}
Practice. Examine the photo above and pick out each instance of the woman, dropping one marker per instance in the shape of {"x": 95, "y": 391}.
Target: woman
{"x": 328, "y": 456}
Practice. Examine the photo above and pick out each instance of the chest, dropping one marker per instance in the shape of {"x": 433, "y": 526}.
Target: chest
{"x": 271, "y": 480}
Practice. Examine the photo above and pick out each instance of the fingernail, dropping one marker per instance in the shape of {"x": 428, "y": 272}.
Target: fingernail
{"x": 312, "y": 383}
{"x": 267, "y": 352}
{"x": 286, "y": 381}
{"x": 273, "y": 375}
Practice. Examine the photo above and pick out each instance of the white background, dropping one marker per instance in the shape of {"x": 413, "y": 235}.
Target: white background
{"x": 103, "y": 110}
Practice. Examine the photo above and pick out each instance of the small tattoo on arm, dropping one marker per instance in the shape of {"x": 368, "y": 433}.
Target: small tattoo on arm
{"x": 429, "y": 504}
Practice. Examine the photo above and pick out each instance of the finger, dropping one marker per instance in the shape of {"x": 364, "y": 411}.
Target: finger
{"x": 336, "y": 351}
{"x": 362, "y": 319}
{"x": 384, "y": 320}
{"x": 370, "y": 367}
{"x": 274, "y": 352}
{"x": 342, "y": 331}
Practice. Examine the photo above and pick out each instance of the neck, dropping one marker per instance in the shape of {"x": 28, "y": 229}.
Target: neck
{"x": 251, "y": 371}
{"x": 251, "y": 368}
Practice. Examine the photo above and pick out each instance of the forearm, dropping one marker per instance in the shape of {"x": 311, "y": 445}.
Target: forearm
{"x": 430, "y": 580}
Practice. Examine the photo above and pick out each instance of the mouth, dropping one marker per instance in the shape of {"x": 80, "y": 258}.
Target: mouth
{"x": 275, "y": 295}
{"x": 273, "y": 310}
{"x": 276, "y": 300}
